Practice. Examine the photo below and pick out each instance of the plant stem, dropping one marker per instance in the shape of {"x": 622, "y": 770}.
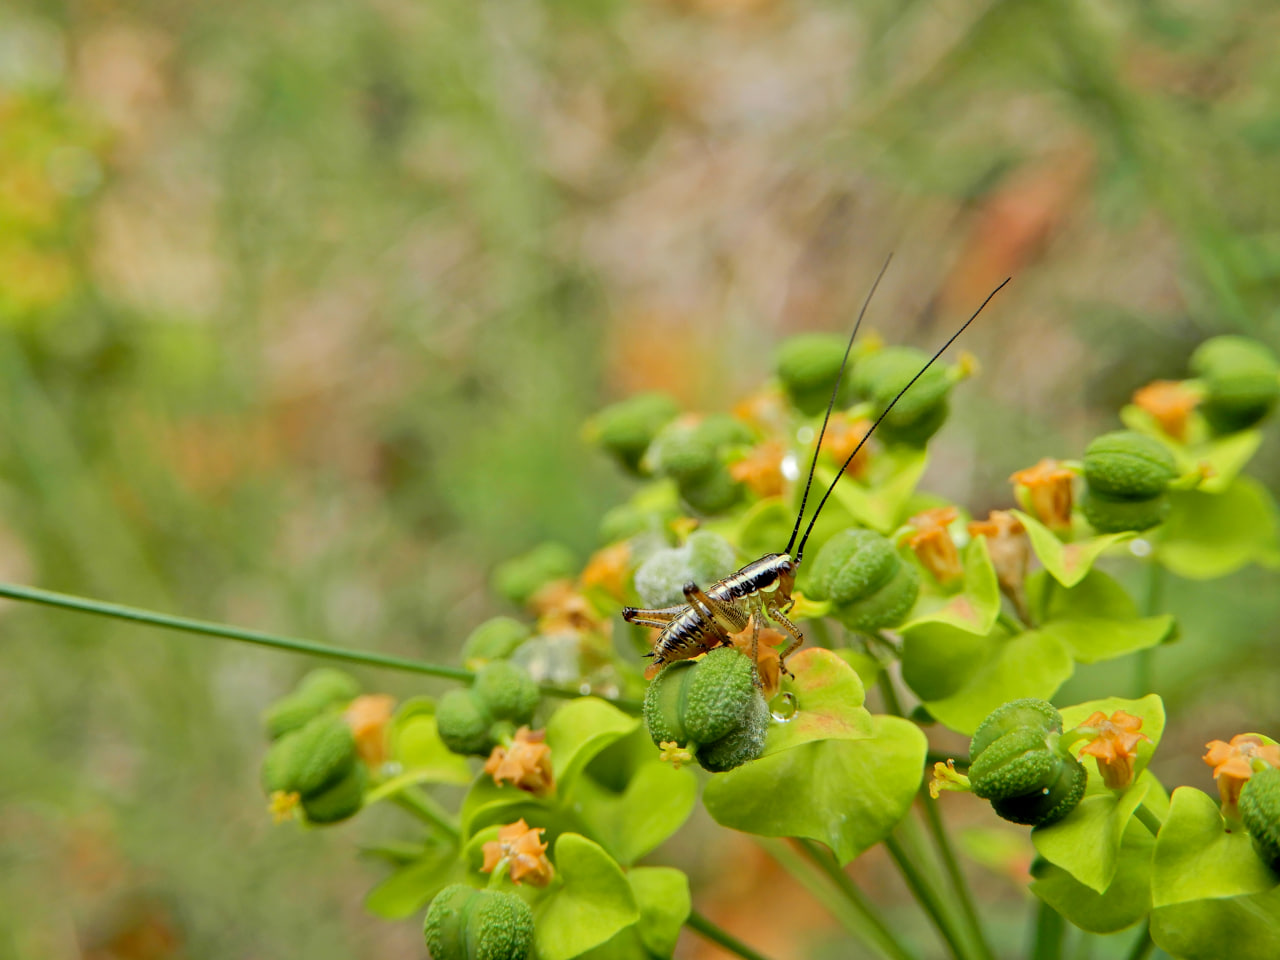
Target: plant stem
{"x": 1144, "y": 665}
{"x": 1048, "y": 934}
{"x": 717, "y": 935}
{"x": 928, "y": 897}
{"x": 425, "y": 808}
{"x": 936, "y": 828}
{"x": 1010, "y": 623}
{"x": 64, "y": 601}
{"x": 1144, "y": 945}
{"x": 1148, "y": 819}
{"x": 826, "y": 862}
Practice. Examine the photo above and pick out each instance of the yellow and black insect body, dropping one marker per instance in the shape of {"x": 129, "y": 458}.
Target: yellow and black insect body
{"x": 762, "y": 589}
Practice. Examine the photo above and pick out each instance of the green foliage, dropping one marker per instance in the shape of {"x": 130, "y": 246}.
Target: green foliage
{"x": 591, "y": 902}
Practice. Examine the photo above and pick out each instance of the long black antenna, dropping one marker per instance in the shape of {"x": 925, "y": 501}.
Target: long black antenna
{"x": 835, "y": 391}
{"x": 885, "y": 413}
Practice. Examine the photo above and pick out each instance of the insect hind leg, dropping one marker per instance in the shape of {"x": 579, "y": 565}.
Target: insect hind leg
{"x": 725, "y": 616}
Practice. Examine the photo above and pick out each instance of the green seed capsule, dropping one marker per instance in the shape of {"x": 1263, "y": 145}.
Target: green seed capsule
{"x": 627, "y": 429}
{"x": 323, "y": 752}
{"x": 713, "y": 492}
{"x": 467, "y": 924}
{"x": 1029, "y": 712}
{"x": 520, "y": 577}
{"x": 1260, "y": 811}
{"x": 683, "y": 452}
{"x": 315, "y": 693}
{"x": 865, "y": 579}
{"x": 1242, "y": 382}
{"x": 463, "y": 723}
{"x": 711, "y": 705}
{"x": 1126, "y": 465}
{"x": 922, "y": 410}
{"x": 494, "y": 639}
{"x": 1111, "y": 515}
{"x": 1015, "y": 763}
{"x": 506, "y": 692}
{"x": 807, "y": 368}
{"x": 339, "y": 801}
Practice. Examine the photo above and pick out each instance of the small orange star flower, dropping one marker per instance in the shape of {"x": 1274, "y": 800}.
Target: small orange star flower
{"x": 562, "y": 608}
{"x": 1048, "y": 484}
{"x": 1010, "y": 551}
{"x": 1170, "y": 402}
{"x": 843, "y": 435}
{"x": 519, "y": 846}
{"x": 526, "y": 764}
{"x": 1235, "y": 762}
{"x": 933, "y": 545}
{"x": 761, "y": 469}
{"x": 607, "y": 569}
{"x": 368, "y": 717}
{"x": 1113, "y": 745}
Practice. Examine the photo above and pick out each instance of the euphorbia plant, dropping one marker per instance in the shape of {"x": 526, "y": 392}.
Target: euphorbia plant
{"x": 577, "y": 770}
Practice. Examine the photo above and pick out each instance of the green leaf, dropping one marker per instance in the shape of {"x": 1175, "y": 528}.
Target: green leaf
{"x": 662, "y": 894}
{"x": 1210, "y": 535}
{"x": 880, "y": 505}
{"x": 829, "y": 695}
{"x": 1067, "y": 562}
{"x": 764, "y": 528}
{"x": 411, "y": 887}
{"x": 656, "y": 802}
{"x": 579, "y": 730}
{"x": 589, "y": 903}
{"x": 417, "y": 747}
{"x": 1150, "y": 708}
{"x": 847, "y": 794}
{"x": 975, "y": 608}
{"x": 1123, "y": 903}
{"x": 1096, "y": 619}
{"x": 1197, "y": 858}
{"x": 994, "y": 670}
{"x": 1242, "y": 928}
{"x": 1086, "y": 842}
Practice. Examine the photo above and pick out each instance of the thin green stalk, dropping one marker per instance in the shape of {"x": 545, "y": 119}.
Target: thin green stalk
{"x": 1148, "y": 819}
{"x": 1010, "y": 623}
{"x": 425, "y": 808}
{"x": 717, "y": 935}
{"x": 936, "y": 828}
{"x": 884, "y": 937}
{"x": 1143, "y": 947}
{"x": 1049, "y": 931}
{"x": 849, "y": 914}
{"x": 64, "y": 601}
{"x": 1144, "y": 664}
{"x": 928, "y": 897}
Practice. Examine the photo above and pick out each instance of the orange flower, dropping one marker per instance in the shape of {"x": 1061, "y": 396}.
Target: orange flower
{"x": 607, "y": 569}
{"x": 1113, "y": 745}
{"x": 518, "y": 846}
{"x": 768, "y": 662}
{"x": 761, "y": 469}
{"x": 526, "y": 764}
{"x": 562, "y": 608}
{"x": 843, "y": 435}
{"x": 933, "y": 544}
{"x": 767, "y": 410}
{"x": 1048, "y": 484}
{"x": 1171, "y": 403}
{"x": 1235, "y": 762}
{"x": 368, "y": 717}
{"x": 1010, "y": 550}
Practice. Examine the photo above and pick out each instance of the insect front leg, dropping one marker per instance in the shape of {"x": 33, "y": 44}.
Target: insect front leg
{"x": 797, "y": 638}
{"x": 658, "y": 617}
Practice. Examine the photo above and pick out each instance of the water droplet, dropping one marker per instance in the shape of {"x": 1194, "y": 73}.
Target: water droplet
{"x": 783, "y": 708}
{"x": 790, "y": 466}
{"x": 1140, "y": 547}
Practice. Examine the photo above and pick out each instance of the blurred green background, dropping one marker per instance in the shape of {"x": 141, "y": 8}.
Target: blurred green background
{"x": 302, "y": 307}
